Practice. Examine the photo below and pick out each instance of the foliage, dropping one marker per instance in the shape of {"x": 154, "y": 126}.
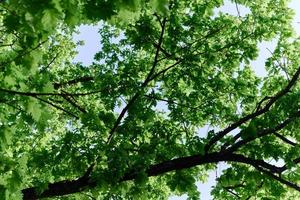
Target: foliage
{"x": 127, "y": 126}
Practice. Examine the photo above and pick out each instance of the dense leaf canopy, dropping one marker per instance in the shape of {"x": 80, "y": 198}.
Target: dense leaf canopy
{"x": 130, "y": 125}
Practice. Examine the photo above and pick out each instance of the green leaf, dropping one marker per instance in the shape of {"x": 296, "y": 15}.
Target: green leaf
{"x": 171, "y": 84}
{"x": 141, "y": 178}
{"x": 48, "y": 19}
{"x": 161, "y": 6}
{"x": 48, "y": 88}
{"x": 33, "y": 107}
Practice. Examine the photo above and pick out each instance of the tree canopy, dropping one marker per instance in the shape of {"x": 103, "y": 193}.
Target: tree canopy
{"x": 130, "y": 125}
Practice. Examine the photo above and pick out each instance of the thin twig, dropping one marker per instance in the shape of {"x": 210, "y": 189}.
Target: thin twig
{"x": 237, "y": 9}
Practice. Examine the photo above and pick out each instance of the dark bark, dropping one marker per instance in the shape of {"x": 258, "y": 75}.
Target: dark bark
{"x": 85, "y": 182}
{"x": 73, "y": 186}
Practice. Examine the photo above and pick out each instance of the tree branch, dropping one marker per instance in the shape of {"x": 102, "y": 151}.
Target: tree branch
{"x": 231, "y": 192}
{"x": 278, "y": 178}
{"x": 57, "y": 107}
{"x": 285, "y": 167}
{"x": 284, "y": 139}
{"x": 144, "y": 84}
{"x": 50, "y": 63}
{"x": 263, "y": 132}
{"x": 73, "y": 81}
{"x": 33, "y": 94}
{"x": 73, "y": 186}
{"x": 68, "y": 99}
{"x": 258, "y": 112}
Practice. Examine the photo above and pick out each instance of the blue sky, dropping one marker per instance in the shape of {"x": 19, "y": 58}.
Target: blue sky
{"x": 90, "y": 36}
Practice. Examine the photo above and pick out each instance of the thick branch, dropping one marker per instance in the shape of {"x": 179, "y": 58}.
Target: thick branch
{"x": 74, "y": 186}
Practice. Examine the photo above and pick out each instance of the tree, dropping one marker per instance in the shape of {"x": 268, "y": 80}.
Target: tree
{"x": 70, "y": 131}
